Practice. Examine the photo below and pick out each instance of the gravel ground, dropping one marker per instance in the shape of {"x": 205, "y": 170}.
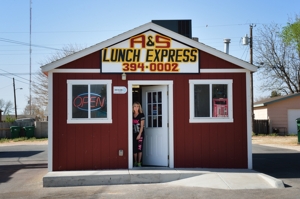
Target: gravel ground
{"x": 36, "y": 142}
{"x": 287, "y": 142}
{"x": 276, "y": 140}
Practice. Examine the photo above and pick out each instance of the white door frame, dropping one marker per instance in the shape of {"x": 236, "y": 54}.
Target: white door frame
{"x": 170, "y": 113}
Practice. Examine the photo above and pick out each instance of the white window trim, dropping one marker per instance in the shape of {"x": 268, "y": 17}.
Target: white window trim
{"x": 71, "y": 120}
{"x": 211, "y": 119}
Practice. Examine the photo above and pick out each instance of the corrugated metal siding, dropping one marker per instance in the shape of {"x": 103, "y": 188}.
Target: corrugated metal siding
{"x": 95, "y": 146}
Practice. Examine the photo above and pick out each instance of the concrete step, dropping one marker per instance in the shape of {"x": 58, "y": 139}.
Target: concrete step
{"x": 212, "y": 178}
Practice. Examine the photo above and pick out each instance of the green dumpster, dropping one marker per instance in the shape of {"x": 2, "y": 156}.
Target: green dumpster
{"x": 15, "y": 131}
{"x": 29, "y": 131}
{"x": 298, "y": 127}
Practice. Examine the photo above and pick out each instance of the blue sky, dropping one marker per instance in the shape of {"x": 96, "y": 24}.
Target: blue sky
{"x": 58, "y": 23}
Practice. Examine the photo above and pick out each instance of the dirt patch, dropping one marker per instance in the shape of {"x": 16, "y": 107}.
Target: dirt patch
{"x": 26, "y": 142}
{"x": 280, "y": 140}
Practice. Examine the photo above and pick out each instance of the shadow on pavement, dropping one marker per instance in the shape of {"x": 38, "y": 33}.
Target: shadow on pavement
{"x": 278, "y": 165}
{"x": 8, "y": 170}
{"x": 20, "y": 154}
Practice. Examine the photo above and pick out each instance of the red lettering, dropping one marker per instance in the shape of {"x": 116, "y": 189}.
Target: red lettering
{"x": 140, "y": 39}
{"x": 175, "y": 67}
{"x": 164, "y": 41}
{"x": 100, "y": 102}
{"x": 95, "y": 101}
{"x": 76, "y": 100}
{"x": 160, "y": 41}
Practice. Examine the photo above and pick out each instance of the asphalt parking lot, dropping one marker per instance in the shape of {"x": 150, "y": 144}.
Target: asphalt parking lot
{"x": 22, "y": 168}
{"x": 279, "y": 163}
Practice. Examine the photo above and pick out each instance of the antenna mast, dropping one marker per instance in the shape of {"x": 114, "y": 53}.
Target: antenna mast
{"x": 30, "y": 60}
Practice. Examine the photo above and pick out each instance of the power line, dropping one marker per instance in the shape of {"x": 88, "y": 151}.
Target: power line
{"x": 16, "y": 79}
{"x": 63, "y": 31}
{"x": 16, "y": 74}
{"x": 6, "y": 86}
{"x": 27, "y": 44}
{"x": 222, "y": 25}
{"x": 7, "y": 74}
{"x": 207, "y": 25}
{"x": 13, "y": 74}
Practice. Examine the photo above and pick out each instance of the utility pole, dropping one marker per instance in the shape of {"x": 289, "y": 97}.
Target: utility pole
{"x": 251, "y": 44}
{"x": 251, "y": 62}
{"x": 15, "y": 98}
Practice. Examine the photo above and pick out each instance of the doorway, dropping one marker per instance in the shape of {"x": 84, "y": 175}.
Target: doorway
{"x": 156, "y": 98}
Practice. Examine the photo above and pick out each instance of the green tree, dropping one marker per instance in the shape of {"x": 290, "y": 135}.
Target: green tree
{"x": 291, "y": 34}
{"x": 291, "y": 37}
{"x": 275, "y": 94}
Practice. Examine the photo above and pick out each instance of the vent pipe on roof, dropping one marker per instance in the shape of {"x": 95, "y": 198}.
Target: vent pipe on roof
{"x": 195, "y": 39}
{"x": 226, "y": 45}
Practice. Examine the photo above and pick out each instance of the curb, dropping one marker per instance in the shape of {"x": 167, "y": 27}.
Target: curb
{"x": 276, "y": 183}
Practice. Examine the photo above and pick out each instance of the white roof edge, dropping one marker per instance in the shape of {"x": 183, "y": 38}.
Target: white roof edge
{"x": 258, "y": 105}
{"x": 144, "y": 28}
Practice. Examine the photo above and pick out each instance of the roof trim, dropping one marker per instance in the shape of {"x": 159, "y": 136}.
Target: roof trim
{"x": 261, "y": 104}
{"x": 143, "y": 28}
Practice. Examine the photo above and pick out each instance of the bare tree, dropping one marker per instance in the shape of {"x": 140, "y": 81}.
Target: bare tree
{"x": 35, "y": 109}
{"x": 279, "y": 69}
{"x": 6, "y": 107}
{"x": 40, "y": 83}
{"x": 40, "y": 88}
{"x": 64, "y": 52}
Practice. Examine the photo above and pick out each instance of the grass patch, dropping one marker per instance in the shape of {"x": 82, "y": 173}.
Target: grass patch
{"x": 265, "y": 135}
{"x": 3, "y": 140}
{"x": 21, "y": 139}
{"x": 273, "y": 135}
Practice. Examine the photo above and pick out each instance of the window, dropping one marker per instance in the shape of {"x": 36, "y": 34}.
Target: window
{"x": 154, "y": 107}
{"x": 210, "y": 101}
{"x": 89, "y": 101}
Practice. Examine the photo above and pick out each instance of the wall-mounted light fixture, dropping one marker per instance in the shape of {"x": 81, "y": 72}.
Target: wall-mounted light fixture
{"x": 123, "y": 76}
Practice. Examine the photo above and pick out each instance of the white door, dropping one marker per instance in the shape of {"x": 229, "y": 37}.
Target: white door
{"x": 155, "y": 106}
{"x": 293, "y": 114}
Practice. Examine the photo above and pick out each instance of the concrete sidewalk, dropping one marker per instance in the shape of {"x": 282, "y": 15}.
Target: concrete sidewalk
{"x": 206, "y": 178}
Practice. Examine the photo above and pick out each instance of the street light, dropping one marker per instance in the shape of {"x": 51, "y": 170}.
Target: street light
{"x": 15, "y": 97}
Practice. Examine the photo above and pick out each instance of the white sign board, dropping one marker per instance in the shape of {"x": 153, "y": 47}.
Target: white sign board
{"x": 120, "y": 90}
{"x": 150, "y": 52}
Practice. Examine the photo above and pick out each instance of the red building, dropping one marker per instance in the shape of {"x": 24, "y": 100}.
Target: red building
{"x": 180, "y": 82}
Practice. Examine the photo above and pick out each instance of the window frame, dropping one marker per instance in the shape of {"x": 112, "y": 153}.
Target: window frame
{"x": 89, "y": 120}
{"x": 210, "y": 119}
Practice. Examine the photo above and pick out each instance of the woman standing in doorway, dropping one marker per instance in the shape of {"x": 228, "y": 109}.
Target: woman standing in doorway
{"x": 138, "y": 133}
